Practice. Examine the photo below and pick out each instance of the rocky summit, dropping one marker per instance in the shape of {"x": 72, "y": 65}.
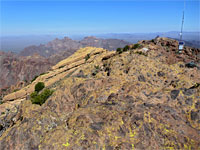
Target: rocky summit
{"x": 143, "y": 96}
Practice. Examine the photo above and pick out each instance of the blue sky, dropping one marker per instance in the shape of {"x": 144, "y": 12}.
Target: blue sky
{"x": 79, "y": 17}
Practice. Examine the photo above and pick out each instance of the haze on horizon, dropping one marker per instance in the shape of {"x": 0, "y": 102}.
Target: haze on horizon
{"x": 89, "y": 17}
{"x": 25, "y": 23}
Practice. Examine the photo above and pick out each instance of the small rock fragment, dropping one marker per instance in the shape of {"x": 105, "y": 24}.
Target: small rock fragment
{"x": 97, "y": 125}
{"x": 141, "y": 78}
{"x": 174, "y": 94}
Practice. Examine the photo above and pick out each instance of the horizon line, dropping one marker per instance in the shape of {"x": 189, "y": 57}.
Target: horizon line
{"x": 37, "y": 34}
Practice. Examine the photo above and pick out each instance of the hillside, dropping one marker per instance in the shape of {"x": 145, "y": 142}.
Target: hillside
{"x": 18, "y": 69}
{"x": 145, "y": 96}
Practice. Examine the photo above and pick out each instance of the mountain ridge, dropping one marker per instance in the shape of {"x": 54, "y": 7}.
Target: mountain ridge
{"x": 67, "y": 44}
{"x": 142, "y": 97}
{"x": 13, "y": 66}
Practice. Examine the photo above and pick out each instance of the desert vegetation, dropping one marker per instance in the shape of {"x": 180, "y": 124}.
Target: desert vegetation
{"x": 40, "y": 98}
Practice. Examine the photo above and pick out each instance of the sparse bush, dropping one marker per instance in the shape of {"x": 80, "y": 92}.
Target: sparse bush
{"x": 36, "y": 77}
{"x": 96, "y": 70}
{"x": 140, "y": 53}
{"x": 61, "y": 67}
{"x": 43, "y": 73}
{"x": 153, "y": 40}
{"x": 41, "y": 98}
{"x": 4, "y": 90}
{"x": 34, "y": 94}
{"x": 1, "y": 102}
{"x": 97, "y": 67}
{"x": 39, "y": 86}
{"x": 87, "y": 57}
{"x": 135, "y": 46}
{"x": 119, "y": 50}
{"x": 126, "y": 48}
{"x": 16, "y": 90}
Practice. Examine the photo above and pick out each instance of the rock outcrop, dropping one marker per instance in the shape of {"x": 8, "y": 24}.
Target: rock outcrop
{"x": 106, "y": 100}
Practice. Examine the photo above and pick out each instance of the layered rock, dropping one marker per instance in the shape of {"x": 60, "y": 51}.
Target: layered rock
{"x": 106, "y": 100}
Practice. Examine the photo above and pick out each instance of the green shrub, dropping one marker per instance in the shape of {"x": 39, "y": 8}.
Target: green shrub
{"x": 97, "y": 67}
{"x": 126, "y": 48}
{"x": 141, "y": 53}
{"x": 16, "y": 90}
{"x": 87, "y": 57}
{"x": 61, "y": 67}
{"x": 4, "y": 90}
{"x": 42, "y": 73}
{"x": 119, "y": 50}
{"x": 96, "y": 70}
{"x": 39, "y": 86}
{"x": 153, "y": 40}
{"x": 135, "y": 46}
{"x": 41, "y": 98}
{"x": 1, "y": 102}
{"x": 36, "y": 77}
{"x": 34, "y": 94}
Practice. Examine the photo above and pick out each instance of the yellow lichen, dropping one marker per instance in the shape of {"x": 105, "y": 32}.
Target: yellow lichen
{"x": 66, "y": 145}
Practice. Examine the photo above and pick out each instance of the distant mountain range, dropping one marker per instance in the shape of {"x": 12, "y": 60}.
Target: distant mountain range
{"x": 18, "y": 43}
{"x": 70, "y": 46}
{"x": 190, "y": 38}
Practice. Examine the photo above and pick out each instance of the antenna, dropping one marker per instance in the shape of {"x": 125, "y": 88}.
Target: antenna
{"x": 181, "y": 33}
{"x": 181, "y": 43}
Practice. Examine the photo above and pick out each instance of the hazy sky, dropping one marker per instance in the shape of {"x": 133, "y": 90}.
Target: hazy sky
{"x": 55, "y": 17}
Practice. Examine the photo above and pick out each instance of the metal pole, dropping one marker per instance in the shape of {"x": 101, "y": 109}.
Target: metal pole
{"x": 181, "y": 34}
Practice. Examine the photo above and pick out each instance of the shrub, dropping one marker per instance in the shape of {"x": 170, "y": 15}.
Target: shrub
{"x": 1, "y": 102}
{"x": 4, "y": 90}
{"x": 16, "y": 90}
{"x": 119, "y": 50}
{"x": 135, "y": 46}
{"x": 34, "y": 94}
{"x": 39, "y": 86}
{"x": 96, "y": 70}
{"x": 41, "y": 98}
{"x": 87, "y": 57}
{"x": 97, "y": 67}
{"x": 36, "y": 77}
{"x": 126, "y": 48}
{"x": 141, "y": 53}
{"x": 61, "y": 67}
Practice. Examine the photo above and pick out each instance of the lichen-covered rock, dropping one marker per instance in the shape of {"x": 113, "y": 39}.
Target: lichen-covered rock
{"x": 132, "y": 102}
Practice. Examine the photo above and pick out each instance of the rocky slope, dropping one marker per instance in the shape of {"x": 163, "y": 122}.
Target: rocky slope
{"x": 68, "y": 46}
{"x": 144, "y": 98}
{"x": 15, "y": 69}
